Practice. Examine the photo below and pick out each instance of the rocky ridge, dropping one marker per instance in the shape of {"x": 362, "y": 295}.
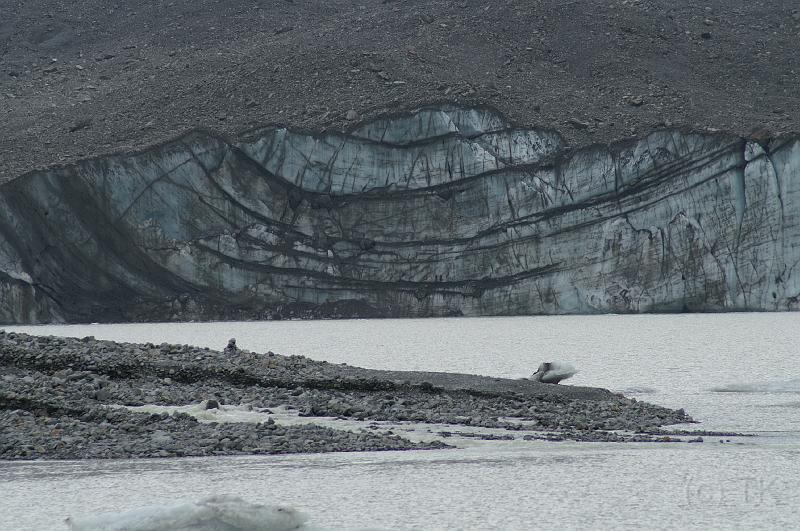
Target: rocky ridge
{"x": 55, "y": 395}
{"x": 82, "y": 79}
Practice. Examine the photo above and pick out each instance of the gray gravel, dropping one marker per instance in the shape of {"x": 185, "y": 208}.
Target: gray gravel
{"x": 55, "y": 393}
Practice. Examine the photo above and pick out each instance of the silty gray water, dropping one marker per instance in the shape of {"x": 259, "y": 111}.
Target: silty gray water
{"x": 672, "y": 360}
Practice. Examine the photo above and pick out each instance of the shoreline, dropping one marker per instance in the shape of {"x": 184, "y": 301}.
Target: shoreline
{"x": 56, "y": 398}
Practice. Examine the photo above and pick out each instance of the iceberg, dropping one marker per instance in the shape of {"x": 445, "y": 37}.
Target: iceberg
{"x": 553, "y": 372}
{"x": 216, "y": 513}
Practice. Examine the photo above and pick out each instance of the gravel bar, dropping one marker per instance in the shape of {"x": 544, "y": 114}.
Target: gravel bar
{"x": 56, "y": 393}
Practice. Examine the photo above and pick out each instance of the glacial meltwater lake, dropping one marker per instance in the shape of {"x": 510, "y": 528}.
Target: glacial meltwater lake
{"x": 735, "y": 372}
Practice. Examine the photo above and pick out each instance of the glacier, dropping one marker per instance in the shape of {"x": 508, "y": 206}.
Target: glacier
{"x": 440, "y": 211}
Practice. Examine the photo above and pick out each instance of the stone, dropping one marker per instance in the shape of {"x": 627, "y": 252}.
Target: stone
{"x": 103, "y": 395}
{"x": 80, "y": 124}
{"x": 578, "y": 124}
{"x": 352, "y": 115}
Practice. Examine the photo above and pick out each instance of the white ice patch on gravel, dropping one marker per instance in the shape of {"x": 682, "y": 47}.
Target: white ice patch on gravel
{"x": 418, "y": 432}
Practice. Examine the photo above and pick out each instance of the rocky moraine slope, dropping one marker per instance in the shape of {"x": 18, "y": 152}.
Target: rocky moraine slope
{"x": 445, "y": 158}
{"x": 446, "y": 210}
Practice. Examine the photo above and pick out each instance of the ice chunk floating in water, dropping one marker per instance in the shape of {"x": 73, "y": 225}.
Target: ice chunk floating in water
{"x": 636, "y": 390}
{"x": 553, "y": 372}
{"x": 217, "y": 513}
{"x": 788, "y": 386}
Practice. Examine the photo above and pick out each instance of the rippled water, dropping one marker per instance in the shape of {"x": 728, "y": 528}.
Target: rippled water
{"x": 731, "y": 372}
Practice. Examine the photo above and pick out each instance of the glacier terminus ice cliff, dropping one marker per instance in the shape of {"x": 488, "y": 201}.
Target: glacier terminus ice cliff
{"x": 445, "y": 210}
